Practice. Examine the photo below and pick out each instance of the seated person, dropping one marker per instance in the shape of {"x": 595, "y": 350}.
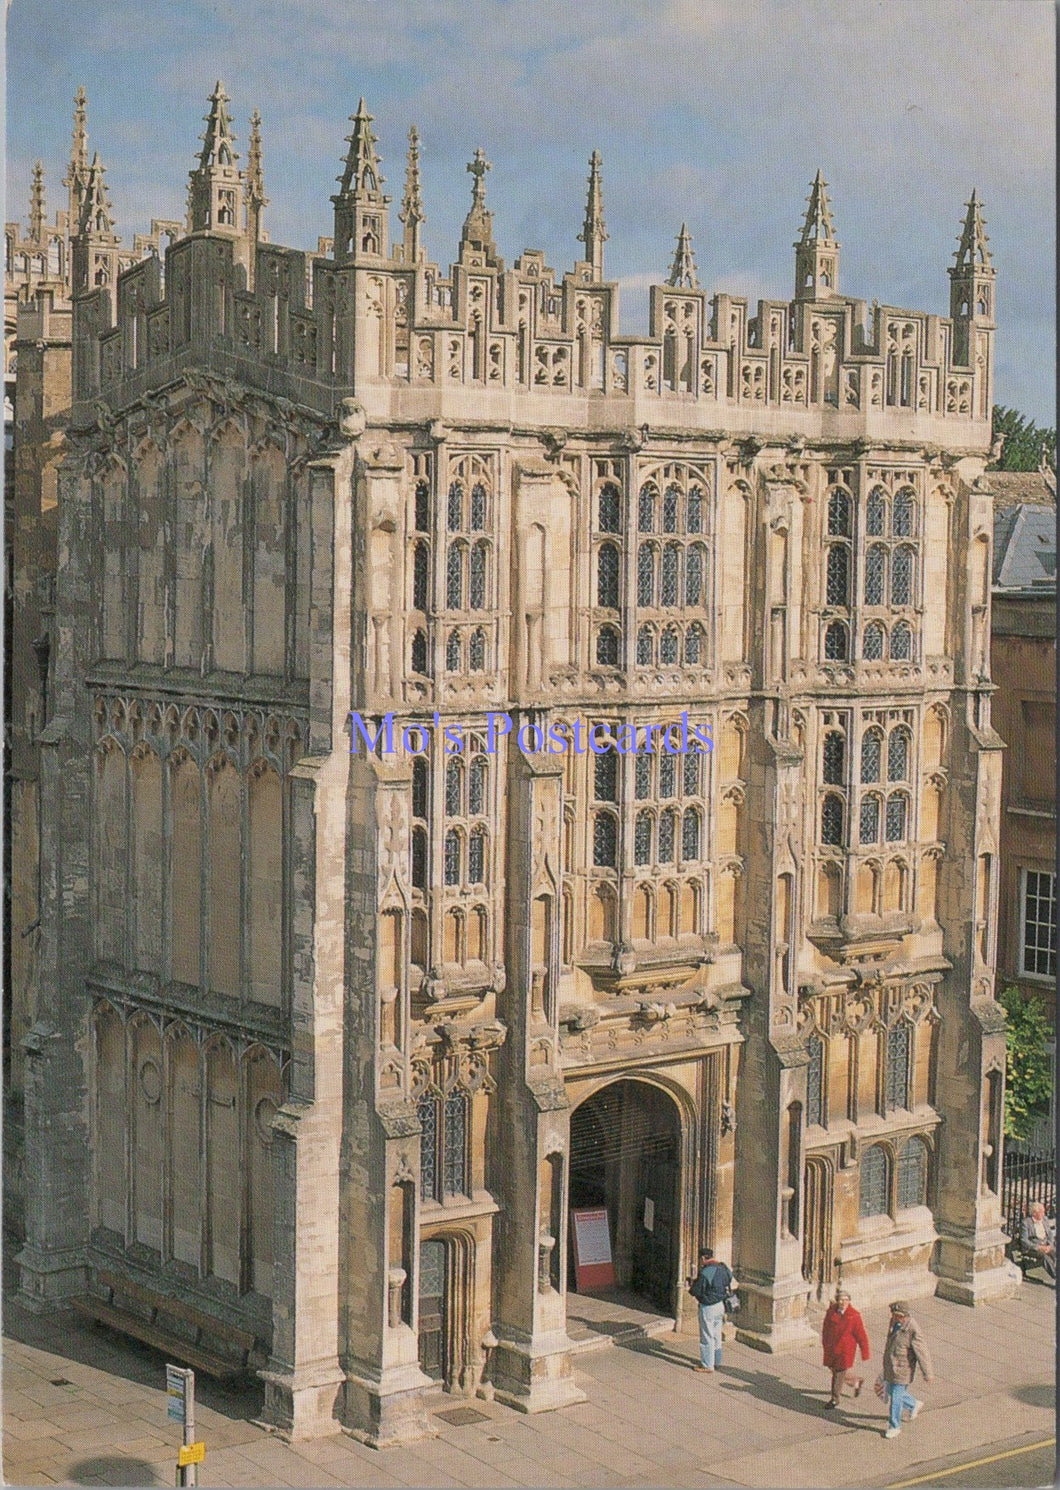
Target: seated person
{"x": 1038, "y": 1236}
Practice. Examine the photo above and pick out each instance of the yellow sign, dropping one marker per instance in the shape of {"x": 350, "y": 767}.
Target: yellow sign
{"x": 190, "y": 1453}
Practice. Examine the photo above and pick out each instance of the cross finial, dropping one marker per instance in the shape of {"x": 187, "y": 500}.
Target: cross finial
{"x": 478, "y": 168}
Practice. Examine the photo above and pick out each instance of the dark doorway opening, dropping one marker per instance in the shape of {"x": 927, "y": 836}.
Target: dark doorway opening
{"x": 626, "y": 1157}
{"x": 433, "y": 1308}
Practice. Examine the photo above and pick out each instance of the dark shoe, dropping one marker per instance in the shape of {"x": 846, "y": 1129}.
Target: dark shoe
{"x": 858, "y": 1385}
{"x": 831, "y": 1404}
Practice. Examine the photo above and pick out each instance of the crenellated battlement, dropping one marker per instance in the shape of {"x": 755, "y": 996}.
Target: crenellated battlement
{"x": 387, "y": 324}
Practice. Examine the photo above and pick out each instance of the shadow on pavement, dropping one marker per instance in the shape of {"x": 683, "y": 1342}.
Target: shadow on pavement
{"x": 1035, "y": 1395}
{"x": 111, "y": 1469}
{"x": 795, "y": 1399}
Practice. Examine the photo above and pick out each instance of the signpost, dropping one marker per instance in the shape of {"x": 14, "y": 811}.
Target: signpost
{"x": 593, "y": 1267}
{"x": 180, "y": 1408}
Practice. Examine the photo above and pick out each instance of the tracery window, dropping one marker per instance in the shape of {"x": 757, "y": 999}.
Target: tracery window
{"x": 838, "y": 513}
{"x": 477, "y": 778}
{"x": 898, "y": 755}
{"x": 872, "y": 1189}
{"x": 645, "y": 647}
{"x": 897, "y": 814}
{"x": 902, "y": 643}
{"x": 453, "y": 650}
{"x": 912, "y": 1174}
{"x": 642, "y": 776}
{"x": 422, "y": 507}
{"x": 468, "y": 555}
{"x": 833, "y": 758}
{"x": 477, "y": 651}
{"x": 452, "y": 857}
{"x": 607, "y": 576}
{"x": 896, "y": 1067}
{"x": 694, "y": 644}
{"x": 667, "y": 775}
{"x": 444, "y": 1149}
{"x": 646, "y": 574}
{"x": 675, "y": 574}
{"x": 476, "y": 857}
{"x": 609, "y": 509}
{"x": 835, "y": 641}
{"x": 876, "y": 513}
{"x": 454, "y": 577}
{"x": 478, "y": 507}
{"x": 667, "y": 833}
{"x": 419, "y": 652}
{"x": 871, "y": 754}
{"x": 605, "y": 777}
{"x": 420, "y": 576}
{"x": 869, "y": 825}
{"x": 670, "y": 646}
{"x": 815, "y": 1082}
{"x": 607, "y": 648}
{"x": 642, "y": 837}
{"x": 875, "y": 575}
{"x": 838, "y": 577}
{"x": 832, "y": 820}
{"x": 605, "y": 840}
{"x": 902, "y": 577}
{"x": 477, "y": 588}
{"x": 872, "y": 647}
{"x": 690, "y": 834}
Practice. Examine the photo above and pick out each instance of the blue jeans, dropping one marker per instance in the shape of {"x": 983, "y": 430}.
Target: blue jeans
{"x": 902, "y": 1400}
{"x": 711, "y": 1317}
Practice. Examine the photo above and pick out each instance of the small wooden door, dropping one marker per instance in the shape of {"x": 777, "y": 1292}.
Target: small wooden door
{"x": 432, "y": 1309}
{"x": 654, "y": 1223}
{"x": 817, "y": 1225}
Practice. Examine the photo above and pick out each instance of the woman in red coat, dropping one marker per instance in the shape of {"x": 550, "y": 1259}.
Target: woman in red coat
{"x": 842, "y": 1335}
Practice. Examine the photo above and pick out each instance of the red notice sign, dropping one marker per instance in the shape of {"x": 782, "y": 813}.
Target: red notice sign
{"x": 593, "y": 1267}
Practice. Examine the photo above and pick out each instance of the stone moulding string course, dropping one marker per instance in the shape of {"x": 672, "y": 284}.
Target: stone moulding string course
{"x": 677, "y": 738}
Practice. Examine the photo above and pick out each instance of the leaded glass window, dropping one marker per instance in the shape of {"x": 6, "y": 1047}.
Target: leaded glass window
{"x": 694, "y": 511}
{"x": 832, "y": 820}
{"x": 642, "y": 770}
{"x": 419, "y": 858}
{"x": 646, "y": 508}
{"x": 896, "y": 1068}
{"x": 477, "y": 651}
{"x": 690, "y": 834}
{"x": 456, "y": 507}
{"x": 838, "y": 586}
{"x": 605, "y": 776}
{"x": 607, "y": 647}
{"x": 609, "y": 505}
{"x": 427, "y": 1111}
{"x": 454, "y": 577}
{"x": 694, "y": 645}
{"x": 874, "y": 638}
{"x": 902, "y": 643}
{"x": 670, "y": 501}
{"x": 902, "y": 577}
{"x": 876, "y": 513}
{"x": 896, "y": 813}
{"x": 423, "y": 507}
{"x": 875, "y": 575}
{"x": 834, "y": 756}
{"x": 871, "y": 755}
{"x": 452, "y": 652}
{"x": 872, "y": 1193}
{"x": 645, "y": 647}
{"x": 694, "y": 575}
{"x": 668, "y": 775}
{"x": 477, "y": 592}
{"x": 476, "y": 787}
{"x": 642, "y": 838}
{"x": 898, "y": 756}
{"x": 839, "y": 515}
{"x": 476, "y": 857}
{"x": 646, "y": 575}
{"x": 690, "y": 774}
{"x": 902, "y": 516}
{"x": 815, "y": 1083}
{"x": 912, "y": 1174}
{"x": 454, "y": 788}
{"x": 419, "y": 652}
{"x": 419, "y": 787}
{"x": 605, "y": 840}
{"x": 454, "y": 1172}
{"x": 420, "y": 561}
{"x": 452, "y": 857}
{"x": 607, "y": 576}
{"x": 669, "y": 646}
{"x": 478, "y": 507}
{"x": 667, "y": 833}
{"x": 668, "y": 586}
{"x": 869, "y": 825}
{"x": 835, "y": 642}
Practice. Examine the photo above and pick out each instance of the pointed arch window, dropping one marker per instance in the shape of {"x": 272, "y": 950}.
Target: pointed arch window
{"x": 902, "y": 643}
{"x": 690, "y": 834}
{"x": 815, "y": 1083}
{"x": 455, "y": 1145}
{"x": 896, "y": 1067}
{"x": 871, "y": 755}
{"x": 605, "y": 840}
{"x": 476, "y": 788}
{"x": 872, "y": 1188}
{"x": 453, "y": 650}
{"x": 476, "y": 857}
{"x": 645, "y": 647}
{"x": 834, "y": 758}
{"x": 454, "y": 788}
{"x": 455, "y": 512}
{"x": 875, "y": 575}
{"x": 427, "y": 1112}
{"x": 667, "y": 834}
{"x": 832, "y": 820}
{"x": 646, "y": 574}
{"x": 876, "y": 513}
{"x": 694, "y": 568}
{"x": 419, "y": 787}
{"x": 605, "y": 777}
{"x": 670, "y": 646}
{"x": 902, "y": 577}
{"x": 667, "y": 776}
{"x": 642, "y": 777}
{"x": 903, "y": 515}
{"x": 838, "y": 577}
{"x": 452, "y": 857}
{"x": 642, "y": 836}
{"x": 478, "y": 508}
{"x": 477, "y": 651}
{"x": 670, "y": 505}
{"x": 690, "y": 774}
{"x": 607, "y": 576}
{"x": 835, "y": 641}
{"x": 912, "y": 1174}
{"x": 454, "y": 577}
{"x": 419, "y": 858}
{"x": 869, "y": 823}
{"x": 419, "y": 652}
{"x": 694, "y": 645}
{"x": 423, "y": 507}
{"x": 609, "y": 509}
{"x": 420, "y": 563}
{"x": 694, "y": 510}
{"x": 898, "y": 755}
{"x": 897, "y": 813}
{"x": 607, "y": 647}
{"x": 646, "y": 507}
{"x": 875, "y": 635}
{"x": 839, "y": 514}
{"x": 477, "y": 588}
{"x": 669, "y": 584}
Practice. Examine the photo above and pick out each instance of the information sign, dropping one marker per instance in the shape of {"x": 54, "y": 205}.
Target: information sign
{"x": 191, "y": 1453}
{"x": 593, "y": 1267}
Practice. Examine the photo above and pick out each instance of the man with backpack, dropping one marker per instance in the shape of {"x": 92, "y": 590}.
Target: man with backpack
{"x": 709, "y": 1288}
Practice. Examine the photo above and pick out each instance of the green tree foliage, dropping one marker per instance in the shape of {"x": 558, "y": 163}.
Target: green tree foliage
{"x": 1029, "y": 1068}
{"x": 1024, "y": 441}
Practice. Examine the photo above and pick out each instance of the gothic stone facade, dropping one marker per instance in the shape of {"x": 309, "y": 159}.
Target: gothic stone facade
{"x": 328, "y": 1042}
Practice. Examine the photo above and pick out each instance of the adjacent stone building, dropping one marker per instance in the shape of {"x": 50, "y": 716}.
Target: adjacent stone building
{"x": 329, "y": 1041}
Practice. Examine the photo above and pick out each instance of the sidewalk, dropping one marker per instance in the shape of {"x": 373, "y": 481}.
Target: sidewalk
{"x": 84, "y": 1407}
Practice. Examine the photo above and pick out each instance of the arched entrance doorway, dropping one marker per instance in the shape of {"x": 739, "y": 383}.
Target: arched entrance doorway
{"x": 625, "y": 1156}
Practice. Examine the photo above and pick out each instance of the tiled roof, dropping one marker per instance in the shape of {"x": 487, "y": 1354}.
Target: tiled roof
{"x": 1025, "y": 548}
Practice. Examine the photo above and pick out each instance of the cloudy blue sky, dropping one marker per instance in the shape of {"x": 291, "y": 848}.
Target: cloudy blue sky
{"x": 714, "y": 111}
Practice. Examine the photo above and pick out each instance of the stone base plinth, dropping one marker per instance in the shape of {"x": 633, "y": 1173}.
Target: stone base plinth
{"x": 772, "y": 1317}
{"x": 300, "y": 1405}
{"x": 973, "y": 1269}
{"x": 50, "y": 1280}
{"x": 390, "y": 1409}
{"x": 535, "y": 1376}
